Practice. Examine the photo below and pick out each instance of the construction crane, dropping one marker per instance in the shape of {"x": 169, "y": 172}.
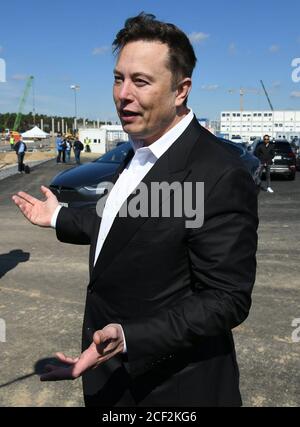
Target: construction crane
{"x": 242, "y": 91}
{"x": 23, "y": 102}
{"x": 266, "y": 93}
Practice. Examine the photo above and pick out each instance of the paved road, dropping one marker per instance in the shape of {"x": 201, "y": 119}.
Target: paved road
{"x": 42, "y": 292}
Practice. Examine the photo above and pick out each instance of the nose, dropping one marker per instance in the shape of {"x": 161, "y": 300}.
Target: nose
{"x": 125, "y": 91}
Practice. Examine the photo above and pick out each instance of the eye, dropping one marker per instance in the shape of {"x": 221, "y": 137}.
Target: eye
{"x": 118, "y": 79}
{"x": 140, "y": 82}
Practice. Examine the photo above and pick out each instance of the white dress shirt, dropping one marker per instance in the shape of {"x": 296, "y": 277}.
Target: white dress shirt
{"x": 141, "y": 163}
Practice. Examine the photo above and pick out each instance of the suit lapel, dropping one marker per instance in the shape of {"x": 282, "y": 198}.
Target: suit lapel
{"x": 171, "y": 167}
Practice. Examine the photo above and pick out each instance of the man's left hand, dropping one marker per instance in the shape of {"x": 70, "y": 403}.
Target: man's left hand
{"x": 107, "y": 343}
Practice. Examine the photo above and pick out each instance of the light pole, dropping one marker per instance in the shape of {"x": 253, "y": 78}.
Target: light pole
{"x": 75, "y": 88}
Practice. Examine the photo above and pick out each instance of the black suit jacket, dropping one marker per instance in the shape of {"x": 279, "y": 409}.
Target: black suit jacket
{"x": 177, "y": 292}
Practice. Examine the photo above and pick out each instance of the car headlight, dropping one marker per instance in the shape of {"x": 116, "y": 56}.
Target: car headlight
{"x": 96, "y": 189}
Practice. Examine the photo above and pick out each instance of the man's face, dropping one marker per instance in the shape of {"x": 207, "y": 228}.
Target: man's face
{"x": 145, "y": 99}
{"x": 266, "y": 140}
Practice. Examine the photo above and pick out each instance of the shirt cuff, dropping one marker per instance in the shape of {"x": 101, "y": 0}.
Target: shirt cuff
{"x": 125, "y": 347}
{"x": 55, "y": 215}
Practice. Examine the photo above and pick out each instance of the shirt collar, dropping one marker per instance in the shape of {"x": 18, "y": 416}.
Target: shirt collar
{"x": 159, "y": 147}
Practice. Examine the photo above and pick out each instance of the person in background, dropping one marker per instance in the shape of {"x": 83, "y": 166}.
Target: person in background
{"x": 87, "y": 145}
{"x": 68, "y": 150}
{"x": 265, "y": 153}
{"x": 77, "y": 147}
{"x": 20, "y": 149}
{"x": 12, "y": 142}
{"x": 60, "y": 149}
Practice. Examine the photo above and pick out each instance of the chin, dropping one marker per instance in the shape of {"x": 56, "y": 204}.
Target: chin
{"x": 132, "y": 130}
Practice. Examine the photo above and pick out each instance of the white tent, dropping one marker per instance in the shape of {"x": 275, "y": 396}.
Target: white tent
{"x": 35, "y": 132}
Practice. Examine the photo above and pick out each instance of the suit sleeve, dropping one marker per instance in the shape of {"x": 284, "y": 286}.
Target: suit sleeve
{"x": 76, "y": 225}
{"x": 223, "y": 265}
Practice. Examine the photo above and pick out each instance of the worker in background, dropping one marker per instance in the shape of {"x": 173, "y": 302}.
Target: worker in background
{"x": 12, "y": 142}
{"x": 87, "y": 143}
{"x": 20, "y": 148}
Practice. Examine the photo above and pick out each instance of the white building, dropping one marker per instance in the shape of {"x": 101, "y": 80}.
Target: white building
{"x": 255, "y": 124}
{"x": 103, "y": 138}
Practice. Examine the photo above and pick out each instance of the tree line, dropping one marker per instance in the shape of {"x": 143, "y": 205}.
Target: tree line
{"x": 28, "y": 121}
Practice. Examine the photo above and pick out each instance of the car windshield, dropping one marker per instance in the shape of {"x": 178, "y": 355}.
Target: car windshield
{"x": 116, "y": 155}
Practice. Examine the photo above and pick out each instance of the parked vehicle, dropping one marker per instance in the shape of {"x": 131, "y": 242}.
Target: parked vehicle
{"x": 250, "y": 162}
{"x": 298, "y": 160}
{"x": 81, "y": 186}
{"x": 238, "y": 140}
{"x": 84, "y": 185}
{"x": 284, "y": 161}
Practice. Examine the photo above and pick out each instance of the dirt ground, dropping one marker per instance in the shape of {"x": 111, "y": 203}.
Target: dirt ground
{"x": 8, "y": 159}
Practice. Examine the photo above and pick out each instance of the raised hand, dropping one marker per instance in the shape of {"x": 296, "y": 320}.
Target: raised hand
{"x": 38, "y": 212}
{"x": 107, "y": 342}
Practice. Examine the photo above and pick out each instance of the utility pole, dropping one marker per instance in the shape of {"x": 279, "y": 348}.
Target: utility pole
{"x": 33, "y": 101}
{"x": 242, "y": 99}
{"x": 75, "y": 88}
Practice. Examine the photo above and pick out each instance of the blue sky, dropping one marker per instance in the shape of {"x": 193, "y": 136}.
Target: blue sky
{"x": 65, "y": 42}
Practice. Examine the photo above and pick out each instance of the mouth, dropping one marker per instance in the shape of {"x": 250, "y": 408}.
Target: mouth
{"x": 128, "y": 115}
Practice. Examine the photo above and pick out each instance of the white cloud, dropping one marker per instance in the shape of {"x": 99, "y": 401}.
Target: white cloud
{"x": 198, "y": 38}
{"x": 274, "y": 48}
{"x": 210, "y": 88}
{"x": 100, "y": 50}
{"x": 276, "y": 85}
{"x": 19, "y": 77}
{"x": 232, "y": 49}
{"x": 295, "y": 94}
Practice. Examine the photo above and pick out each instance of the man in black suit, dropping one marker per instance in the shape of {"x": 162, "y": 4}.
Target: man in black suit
{"x": 265, "y": 153}
{"x": 164, "y": 292}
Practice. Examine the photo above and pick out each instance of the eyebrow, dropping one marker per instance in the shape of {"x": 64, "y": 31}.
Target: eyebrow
{"x": 136, "y": 74}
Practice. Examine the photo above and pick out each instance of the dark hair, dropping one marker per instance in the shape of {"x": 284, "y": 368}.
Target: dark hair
{"x": 182, "y": 58}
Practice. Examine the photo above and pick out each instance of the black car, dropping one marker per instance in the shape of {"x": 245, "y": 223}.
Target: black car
{"x": 284, "y": 161}
{"x": 84, "y": 185}
{"x": 296, "y": 148}
{"x": 298, "y": 160}
{"x": 81, "y": 186}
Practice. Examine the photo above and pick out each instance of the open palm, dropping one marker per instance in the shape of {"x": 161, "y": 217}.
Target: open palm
{"x": 107, "y": 343}
{"x": 38, "y": 212}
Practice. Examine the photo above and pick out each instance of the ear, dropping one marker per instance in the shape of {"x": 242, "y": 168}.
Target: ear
{"x": 183, "y": 89}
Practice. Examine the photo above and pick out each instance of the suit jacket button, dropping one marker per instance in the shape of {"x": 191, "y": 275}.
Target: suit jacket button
{"x": 90, "y": 290}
